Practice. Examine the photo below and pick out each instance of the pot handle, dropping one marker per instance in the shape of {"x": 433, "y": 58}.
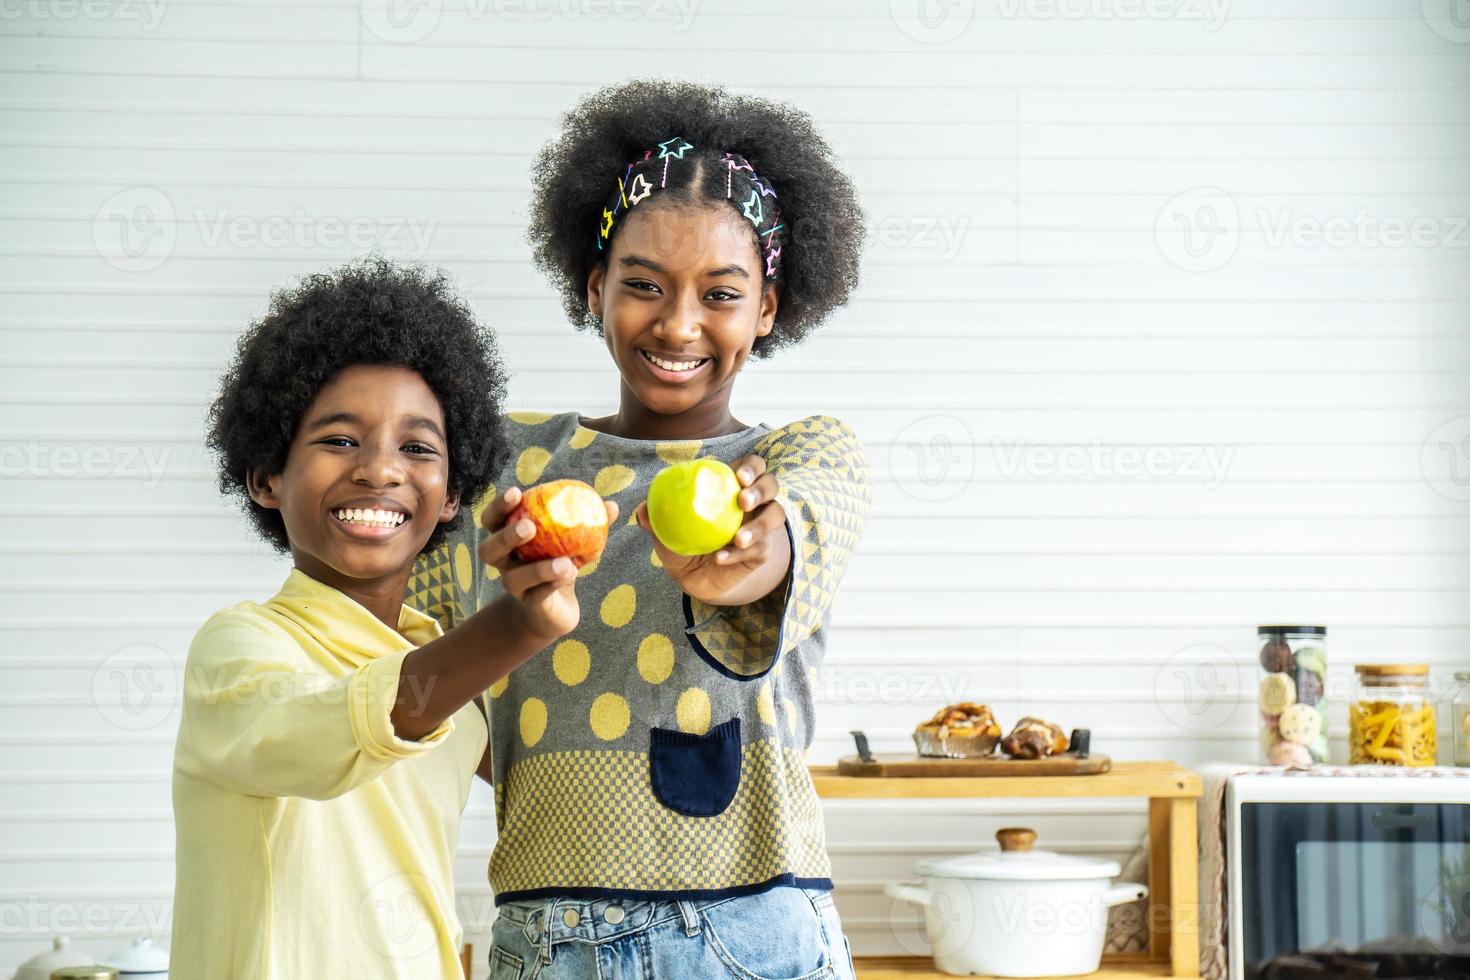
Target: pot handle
{"x": 909, "y": 893}
{"x": 1126, "y": 892}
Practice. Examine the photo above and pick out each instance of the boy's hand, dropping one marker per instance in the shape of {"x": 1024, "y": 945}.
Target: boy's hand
{"x": 753, "y": 563}
{"x": 545, "y": 589}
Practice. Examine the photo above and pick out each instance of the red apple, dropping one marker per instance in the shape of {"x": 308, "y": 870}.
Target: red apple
{"x": 570, "y": 519}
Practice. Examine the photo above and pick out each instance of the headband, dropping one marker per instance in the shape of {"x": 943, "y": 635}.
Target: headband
{"x": 752, "y": 196}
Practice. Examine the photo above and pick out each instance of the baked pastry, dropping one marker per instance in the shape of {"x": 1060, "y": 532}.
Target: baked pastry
{"x": 959, "y": 731}
{"x": 1033, "y": 738}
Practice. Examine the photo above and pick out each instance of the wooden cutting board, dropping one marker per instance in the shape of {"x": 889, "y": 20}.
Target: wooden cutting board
{"x": 899, "y": 765}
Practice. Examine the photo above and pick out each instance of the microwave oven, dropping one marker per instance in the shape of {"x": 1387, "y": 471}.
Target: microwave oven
{"x": 1348, "y": 875}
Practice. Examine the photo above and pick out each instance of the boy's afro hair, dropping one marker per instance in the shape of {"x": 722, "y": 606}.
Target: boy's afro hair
{"x": 367, "y": 312}
{"x": 574, "y": 176}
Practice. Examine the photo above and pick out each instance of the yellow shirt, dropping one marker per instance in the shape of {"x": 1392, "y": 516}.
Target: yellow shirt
{"x": 311, "y": 841}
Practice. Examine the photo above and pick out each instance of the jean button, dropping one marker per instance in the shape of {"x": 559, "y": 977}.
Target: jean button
{"x": 613, "y": 914}
{"x": 571, "y": 918}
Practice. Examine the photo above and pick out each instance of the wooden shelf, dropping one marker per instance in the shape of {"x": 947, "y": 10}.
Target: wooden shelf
{"x": 1173, "y": 865}
{"x": 922, "y": 968}
{"x": 1155, "y": 780}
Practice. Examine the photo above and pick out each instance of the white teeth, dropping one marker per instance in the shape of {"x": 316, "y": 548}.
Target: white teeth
{"x": 673, "y": 365}
{"x": 370, "y": 517}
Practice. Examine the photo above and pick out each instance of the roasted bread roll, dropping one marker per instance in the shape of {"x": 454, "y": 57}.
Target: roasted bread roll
{"x": 1033, "y": 738}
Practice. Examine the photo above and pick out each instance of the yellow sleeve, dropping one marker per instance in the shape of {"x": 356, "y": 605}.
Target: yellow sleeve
{"x": 823, "y": 485}
{"x": 258, "y": 721}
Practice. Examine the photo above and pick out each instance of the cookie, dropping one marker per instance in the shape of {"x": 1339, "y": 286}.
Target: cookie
{"x": 1277, "y": 693}
{"x": 1313, "y": 659}
{"x": 1301, "y": 723}
{"x": 1289, "y": 754}
{"x": 1308, "y": 685}
{"x": 1276, "y": 657}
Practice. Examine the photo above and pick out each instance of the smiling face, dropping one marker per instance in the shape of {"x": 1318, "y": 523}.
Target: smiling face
{"x": 681, "y": 302}
{"x": 365, "y": 480}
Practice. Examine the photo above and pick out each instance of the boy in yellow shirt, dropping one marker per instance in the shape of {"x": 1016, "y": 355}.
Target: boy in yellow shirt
{"x": 329, "y": 734}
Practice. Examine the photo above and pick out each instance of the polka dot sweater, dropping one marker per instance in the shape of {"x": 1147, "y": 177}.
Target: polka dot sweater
{"x": 658, "y": 751}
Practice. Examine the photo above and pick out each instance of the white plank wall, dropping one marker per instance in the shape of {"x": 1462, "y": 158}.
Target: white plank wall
{"x": 1164, "y": 332}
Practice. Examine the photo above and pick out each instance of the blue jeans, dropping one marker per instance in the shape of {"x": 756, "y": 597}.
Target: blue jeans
{"x": 786, "y": 933}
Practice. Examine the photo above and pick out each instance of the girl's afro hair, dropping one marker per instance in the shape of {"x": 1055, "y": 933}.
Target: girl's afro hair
{"x": 367, "y": 312}
{"x": 574, "y": 175}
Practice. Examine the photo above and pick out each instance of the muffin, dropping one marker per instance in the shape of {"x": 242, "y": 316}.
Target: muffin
{"x": 960, "y": 731}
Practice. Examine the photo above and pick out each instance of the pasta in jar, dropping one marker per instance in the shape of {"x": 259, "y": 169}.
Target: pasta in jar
{"x": 1392, "y": 721}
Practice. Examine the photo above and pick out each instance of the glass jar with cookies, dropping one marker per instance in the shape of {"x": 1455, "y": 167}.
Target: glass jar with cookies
{"x": 1290, "y": 697}
{"x": 1391, "y": 722}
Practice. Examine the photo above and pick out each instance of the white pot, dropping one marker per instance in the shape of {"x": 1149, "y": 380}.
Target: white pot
{"x": 140, "y": 961}
{"x": 1019, "y": 913}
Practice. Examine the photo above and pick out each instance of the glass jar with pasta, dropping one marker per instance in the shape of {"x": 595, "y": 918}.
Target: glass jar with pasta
{"x": 1391, "y": 722}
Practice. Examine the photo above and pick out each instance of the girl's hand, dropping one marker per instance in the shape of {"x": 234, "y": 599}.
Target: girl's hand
{"x": 752, "y": 564}
{"x": 545, "y": 589}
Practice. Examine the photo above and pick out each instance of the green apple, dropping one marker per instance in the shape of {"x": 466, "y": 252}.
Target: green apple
{"x": 694, "y": 506}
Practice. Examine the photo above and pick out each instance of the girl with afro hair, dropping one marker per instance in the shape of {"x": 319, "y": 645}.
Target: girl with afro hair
{"x": 655, "y": 814}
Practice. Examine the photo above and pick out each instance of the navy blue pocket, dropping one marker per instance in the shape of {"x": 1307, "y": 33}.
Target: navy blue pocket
{"x": 696, "y": 775}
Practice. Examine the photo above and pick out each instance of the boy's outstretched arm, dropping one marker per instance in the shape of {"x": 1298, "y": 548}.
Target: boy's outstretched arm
{"x": 539, "y": 607}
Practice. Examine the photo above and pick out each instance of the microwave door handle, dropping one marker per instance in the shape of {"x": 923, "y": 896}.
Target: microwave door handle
{"x": 1386, "y": 820}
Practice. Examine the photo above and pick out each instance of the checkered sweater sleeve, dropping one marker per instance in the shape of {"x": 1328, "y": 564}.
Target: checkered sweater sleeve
{"x": 821, "y": 472}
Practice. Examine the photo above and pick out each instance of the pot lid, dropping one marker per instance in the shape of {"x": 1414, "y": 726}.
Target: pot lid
{"x": 141, "y": 957}
{"x": 59, "y": 955}
{"x": 1018, "y": 862}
